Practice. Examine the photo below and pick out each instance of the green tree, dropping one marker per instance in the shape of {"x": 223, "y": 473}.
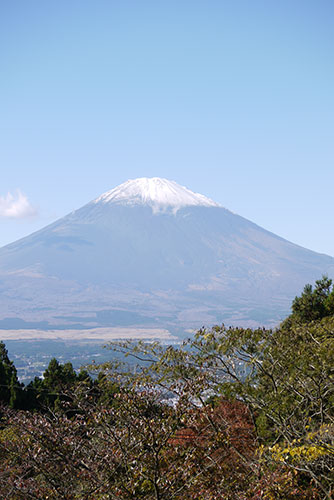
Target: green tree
{"x": 314, "y": 303}
{"x": 285, "y": 378}
{"x": 10, "y": 387}
{"x": 57, "y": 379}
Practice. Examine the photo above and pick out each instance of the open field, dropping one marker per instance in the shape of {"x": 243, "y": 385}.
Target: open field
{"x": 99, "y": 334}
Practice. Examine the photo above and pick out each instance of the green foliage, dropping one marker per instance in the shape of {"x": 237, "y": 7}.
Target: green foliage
{"x": 286, "y": 379}
{"x": 58, "y": 380}
{"x": 314, "y": 303}
{"x": 10, "y": 388}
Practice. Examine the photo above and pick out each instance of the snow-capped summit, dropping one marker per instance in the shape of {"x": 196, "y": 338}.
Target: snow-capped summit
{"x": 159, "y": 194}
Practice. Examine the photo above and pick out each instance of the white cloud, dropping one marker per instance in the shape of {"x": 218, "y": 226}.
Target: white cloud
{"x": 16, "y": 206}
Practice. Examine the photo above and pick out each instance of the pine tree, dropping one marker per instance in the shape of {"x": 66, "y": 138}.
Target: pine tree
{"x": 10, "y": 387}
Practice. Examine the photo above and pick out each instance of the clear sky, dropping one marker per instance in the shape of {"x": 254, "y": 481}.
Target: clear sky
{"x": 231, "y": 98}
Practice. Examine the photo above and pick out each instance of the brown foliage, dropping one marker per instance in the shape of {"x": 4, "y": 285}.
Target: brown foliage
{"x": 224, "y": 438}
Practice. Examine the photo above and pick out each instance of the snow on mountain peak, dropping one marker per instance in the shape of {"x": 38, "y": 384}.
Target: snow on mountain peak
{"x": 159, "y": 194}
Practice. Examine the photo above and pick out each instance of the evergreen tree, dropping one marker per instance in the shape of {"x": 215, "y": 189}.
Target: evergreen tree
{"x": 10, "y": 388}
{"x": 313, "y": 304}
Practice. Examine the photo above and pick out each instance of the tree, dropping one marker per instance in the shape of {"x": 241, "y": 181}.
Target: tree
{"x": 10, "y": 387}
{"x": 139, "y": 447}
{"x": 48, "y": 392}
{"x": 233, "y": 413}
{"x": 313, "y": 304}
{"x": 286, "y": 379}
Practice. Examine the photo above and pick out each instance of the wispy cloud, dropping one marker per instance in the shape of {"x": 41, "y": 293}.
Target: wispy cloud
{"x": 16, "y": 206}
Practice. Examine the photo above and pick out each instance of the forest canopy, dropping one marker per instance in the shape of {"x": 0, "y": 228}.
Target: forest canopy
{"x": 233, "y": 413}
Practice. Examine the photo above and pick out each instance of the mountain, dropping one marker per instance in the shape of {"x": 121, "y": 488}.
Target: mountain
{"x": 151, "y": 253}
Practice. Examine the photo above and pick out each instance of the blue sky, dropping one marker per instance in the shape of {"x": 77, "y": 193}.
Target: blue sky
{"x": 232, "y": 98}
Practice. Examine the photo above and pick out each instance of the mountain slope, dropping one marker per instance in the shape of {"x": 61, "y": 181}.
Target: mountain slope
{"x": 154, "y": 248}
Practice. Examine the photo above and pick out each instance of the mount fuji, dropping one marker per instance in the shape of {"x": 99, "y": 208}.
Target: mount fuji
{"x": 151, "y": 253}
